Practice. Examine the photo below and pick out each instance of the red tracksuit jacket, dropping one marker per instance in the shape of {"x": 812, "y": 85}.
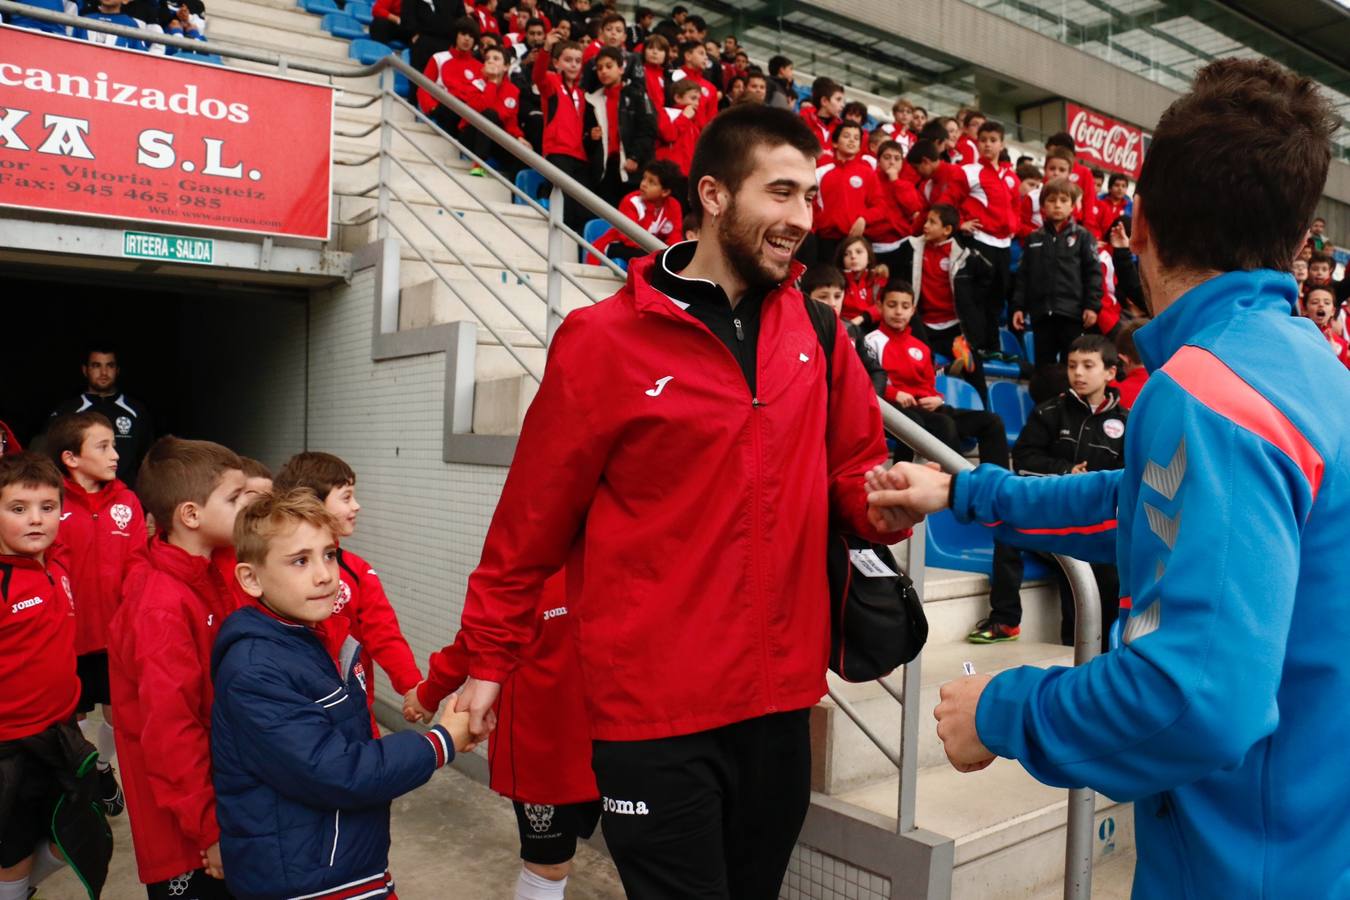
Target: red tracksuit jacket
{"x": 1338, "y": 345}
{"x": 862, "y": 296}
{"x": 985, "y": 196}
{"x": 907, "y": 360}
{"x": 362, "y": 601}
{"x": 664, "y": 219}
{"x": 945, "y": 185}
{"x": 159, "y": 663}
{"x": 967, "y": 152}
{"x": 459, "y": 73}
{"x": 9, "y": 444}
{"x": 1081, "y": 175}
{"x": 102, "y": 535}
{"x": 901, "y": 206}
{"x": 37, "y": 646}
{"x": 707, "y": 94}
{"x": 676, "y": 136}
{"x": 564, "y": 110}
{"x": 540, "y": 751}
{"x": 686, "y": 494}
{"x": 848, "y": 191}
{"x": 1131, "y": 385}
{"x": 503, "y": 98}
{"x": 823, "y": 129}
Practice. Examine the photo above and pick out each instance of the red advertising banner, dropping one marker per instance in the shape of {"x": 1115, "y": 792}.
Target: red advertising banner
{"x": 101, "y": 131}
{"x": 1110, "y": 144}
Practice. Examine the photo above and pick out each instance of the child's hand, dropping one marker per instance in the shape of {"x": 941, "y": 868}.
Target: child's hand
{"x": 1089, "y": 318}
{"x": 630, "y": 165}
{"x": 1019, "y": 321}
{"x": 413, "y": 710}
{"x": 595, "y": 132}
{"x": 1118, "y": 236}
{"x": 930, "y": 403}
{"x": 970, "y": 226}
{"x": 690, "y": 112}
{"x": 905, "y": 400}
{"x": 211, "y": 861}
{"x": 457, "y": 723}
{"x": 1079, "y": 468}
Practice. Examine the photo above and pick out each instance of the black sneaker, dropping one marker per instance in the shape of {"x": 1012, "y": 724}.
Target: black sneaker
{"x": 113, "y": 801}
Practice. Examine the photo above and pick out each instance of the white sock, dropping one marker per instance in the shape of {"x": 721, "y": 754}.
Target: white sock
{"x": 14, "y": 890}
{"x": 107, "y": 749}
{"x": 533, "y": 887}
{"x": 45, "y": 862}
{"x": 89, "y": 728}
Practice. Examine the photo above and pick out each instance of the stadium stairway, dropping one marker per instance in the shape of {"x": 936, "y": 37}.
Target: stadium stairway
{"x": 1009, "y": 831}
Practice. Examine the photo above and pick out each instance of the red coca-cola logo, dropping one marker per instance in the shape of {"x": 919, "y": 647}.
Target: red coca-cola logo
{"x": 1111, "y": 144}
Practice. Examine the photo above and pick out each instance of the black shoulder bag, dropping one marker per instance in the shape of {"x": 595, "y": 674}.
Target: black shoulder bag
{"x": 876, "y": 618}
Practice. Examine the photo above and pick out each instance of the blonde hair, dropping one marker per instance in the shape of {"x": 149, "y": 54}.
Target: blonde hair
{"x": 271, "y": 514}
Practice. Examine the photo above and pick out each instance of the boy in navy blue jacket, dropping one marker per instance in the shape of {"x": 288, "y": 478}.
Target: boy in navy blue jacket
{"x": 302, "y": 788}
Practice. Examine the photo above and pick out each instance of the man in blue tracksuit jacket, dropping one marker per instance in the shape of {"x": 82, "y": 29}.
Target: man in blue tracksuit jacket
{"x": 1223, "y": 712}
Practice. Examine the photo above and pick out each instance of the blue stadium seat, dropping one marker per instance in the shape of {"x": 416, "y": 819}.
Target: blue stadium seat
{"x": 1006, "y": 399}
{"x": 342, "y": 26}
{"x": 320, "y": 7}
{"x": 402, "y": 86}
{"x": 365, "y": 51}
{"x": 532, "y": 183}
{"x": 361, "y": 12}
{"x": 591, "y": 231}
{"x": 969, "y": 548}
{"x": 212, "y": 58}
{"x": 958, "y": 393}
{"x": 1008, "y": 344}
{"x": 1029, "y": 346}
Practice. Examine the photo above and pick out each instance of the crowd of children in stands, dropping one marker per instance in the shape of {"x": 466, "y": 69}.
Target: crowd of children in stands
{"x": 176, "y": 18}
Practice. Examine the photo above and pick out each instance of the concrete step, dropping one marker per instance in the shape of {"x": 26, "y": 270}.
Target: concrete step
{"x": 308, "y": 44}
{"x": 1009, "y": 829}
{"x": 844, "y": 759}
{"x": 1112, "y": 878}
{"x": 477, "y": 237}
{"x": 457, "y": 191}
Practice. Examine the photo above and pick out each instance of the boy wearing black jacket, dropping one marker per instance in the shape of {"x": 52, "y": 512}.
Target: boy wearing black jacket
{"x": 1081, "y": 430}
{"x": 620, "y": 128}
{"x": 1059, "y": 282}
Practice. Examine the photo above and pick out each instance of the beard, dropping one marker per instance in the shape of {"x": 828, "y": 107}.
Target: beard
{"x": 744, "y": 249}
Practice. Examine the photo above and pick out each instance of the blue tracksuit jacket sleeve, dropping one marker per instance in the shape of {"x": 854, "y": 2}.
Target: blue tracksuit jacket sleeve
{"x": 297, "y": 752}
{"x": 1213, "y": 562}
{"x": 1071, "y": 514}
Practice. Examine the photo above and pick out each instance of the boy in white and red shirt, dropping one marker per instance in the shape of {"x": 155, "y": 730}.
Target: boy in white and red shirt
{"x": 557, "y": 76}
{"x": 678, "y": 127}
{"x": 102, "y": 535}
{"x": 1086, "y": 210}
{"x": 823, "y": 115}
{"x": 987, "y": 214}
{"x": 693, "y": 58}
{"x": 849, "y": 199}
{"x": 458, "y": 71}
{"x": 967, "y": 150}
{"x": 655, "y": 206}
{"x": 901, "y": 203}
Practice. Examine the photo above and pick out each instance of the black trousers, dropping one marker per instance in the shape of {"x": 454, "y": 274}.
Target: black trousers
{"x": 612, "y": 187}
{"x": 939, "y": 340}
{"x": 952, "y": 426}
{"x": 1108, "y": 586}
{"x": 1053, "y": 335}
{"x": 386, "y": 32}
{"x": 996, "y": 294}
{"x": 707, "y": 816}
{"x": 575, "y": 216}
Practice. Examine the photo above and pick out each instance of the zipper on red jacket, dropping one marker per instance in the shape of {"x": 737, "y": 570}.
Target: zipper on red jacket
{"x": 757, "y": 441}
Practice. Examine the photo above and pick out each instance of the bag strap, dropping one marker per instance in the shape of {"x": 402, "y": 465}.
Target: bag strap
{"x": 826, "y": 323}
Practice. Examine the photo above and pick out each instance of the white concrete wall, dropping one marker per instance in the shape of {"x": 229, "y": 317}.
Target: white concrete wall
{"x": 422, "y": 521}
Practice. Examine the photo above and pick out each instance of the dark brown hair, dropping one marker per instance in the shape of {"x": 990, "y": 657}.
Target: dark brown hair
{"x": 29, "y": 469}
{"x": 726, "y": 149}
{"x": 321, "y": 473}
{"x": 1060, "y": 187}
{"x": 177, "y": 471}
{"x": 822, "y": 275}
{"x": 67, "y": 433}
{"x": 1249, "y": 135}
{"x": 255, "y": 469}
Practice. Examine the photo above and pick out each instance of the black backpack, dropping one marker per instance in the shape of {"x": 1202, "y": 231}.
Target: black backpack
{"x": 876, "y": 619}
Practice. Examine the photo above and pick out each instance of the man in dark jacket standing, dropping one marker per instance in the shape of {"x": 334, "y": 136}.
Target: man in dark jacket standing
{"x": 685, "y": 442}
{"x": 132, "y": 427}
{"x": 1059, "y": 282}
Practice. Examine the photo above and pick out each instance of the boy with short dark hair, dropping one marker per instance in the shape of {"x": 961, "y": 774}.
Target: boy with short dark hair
{"x": 824, "y": 283}
{"x": 988, "y": 215}
{"x": 901, "y": 203}
{"x": 1081, "y": 430}
{"x": 693, "y": 58}
{"x": 102, "y": 534}
{"x": 257, "y": 480}
{"x": 557, "y": 75}
{"x": 620, "y": 127}
{"x": 827, "y": 106}
{"x": 40, "y": 745}
{"x": 1058, "y": 289}
{"x": 304, "y": 788}
{"x": 361, "y": 598}
{"x": 1130, "y": 370}
{"x": 849, "y": 199}
{"x": 159, "y": 653}
{"x": 655, "y": 206}
{"x": 1115, "y": 202}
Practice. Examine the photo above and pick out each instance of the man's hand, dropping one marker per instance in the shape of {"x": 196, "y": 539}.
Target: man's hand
{"x": 1089, "y": 318}
{"x": 211, "y": 861}
{"x": 458, "y": 724}
{"x": 477, "y": 699}
{"x": 886, "y": 519}
{"x": 904, "y": 400}
{"x": 413, "y": 710}
{"x": 916, "y": 490}
{"x": 930, "y": 403}
{"x": 956, "y": 723}
{"x": 1079, "y": 468}
{"x": 1019, "y": 320}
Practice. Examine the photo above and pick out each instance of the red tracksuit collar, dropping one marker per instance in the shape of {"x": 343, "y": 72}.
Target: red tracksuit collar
{"x": 895, "y": 334}
{"x": 648, "y": 298}
{"x": 179, "y": 563}
{"x": 94, "y": 501}
{"x": 23, "y": 562}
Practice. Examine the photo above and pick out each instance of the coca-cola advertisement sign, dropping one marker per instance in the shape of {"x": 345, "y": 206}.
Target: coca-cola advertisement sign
{"x": 1110, "y": 144}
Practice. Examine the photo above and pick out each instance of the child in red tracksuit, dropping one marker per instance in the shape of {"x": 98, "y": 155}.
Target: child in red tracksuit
{"x": 864, "y": 278}
{"x": 1320, "y": 306}
{"x": 37, "y": 668}
{"x": 557, "y": 75}
{"x": 361, "y": 597}
{"x": 458, "y": 71}
{"x": 102, "y": 534}
{"x": 655, "y": 206}
{"x": 901, "y": 204}
{"x": 990, "y": 217}
{"x": 159, "y": 663}
{"x": 540, "y": 752}
{"x": 678, "y": 128}
{"x": 849, "y": 199}
{"x": 693, "y": 60}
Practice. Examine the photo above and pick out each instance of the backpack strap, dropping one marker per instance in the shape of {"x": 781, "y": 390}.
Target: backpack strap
{"x": 342, "y": 561}
{"x": 825, "y": 323}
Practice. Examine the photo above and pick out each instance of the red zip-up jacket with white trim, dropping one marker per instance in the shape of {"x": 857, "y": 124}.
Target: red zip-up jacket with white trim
{"x": 686, "y": 494}
{"x": 848, "y": 191}
{"x": 907, "y": 360}
{"x": 564, "y": 110}
{"x": 503, "y": 98}
{"x": 676, "y": 136}
{"x": 374, "y": 624}
{"x": 159, "y": 667}
{"x": 966, "y": 152}
{"x": 707, "y": 94}
{"x": 901, "y": 206}
{"x": 823, "y": 129}
{"x": 102, "y": 535}
{"x": 460, "y": 74}
{"x": 664, "y": 219}
{"x": 985, "y": 196}
{"x": 862, "y": 296}
{"x": 37, "y": 645}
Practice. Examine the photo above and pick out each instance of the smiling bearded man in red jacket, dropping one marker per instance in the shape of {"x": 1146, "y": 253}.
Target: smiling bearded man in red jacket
{"x": 683, "y": 446}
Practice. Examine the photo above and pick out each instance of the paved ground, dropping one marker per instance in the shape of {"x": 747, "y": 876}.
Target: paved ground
{"x": 451, "y": 837}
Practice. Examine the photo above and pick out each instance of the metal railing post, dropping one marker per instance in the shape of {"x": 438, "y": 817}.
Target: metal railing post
{"x": 556, "y": 248}
{"x": 386, "y": 145}
{"x": 911, "y": 686}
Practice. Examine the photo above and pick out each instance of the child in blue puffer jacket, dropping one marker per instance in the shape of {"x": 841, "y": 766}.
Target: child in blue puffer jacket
{"x": 302, "y": 788}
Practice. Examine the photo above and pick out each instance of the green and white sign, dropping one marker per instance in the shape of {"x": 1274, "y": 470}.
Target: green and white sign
{"x": 168, "y": 247}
